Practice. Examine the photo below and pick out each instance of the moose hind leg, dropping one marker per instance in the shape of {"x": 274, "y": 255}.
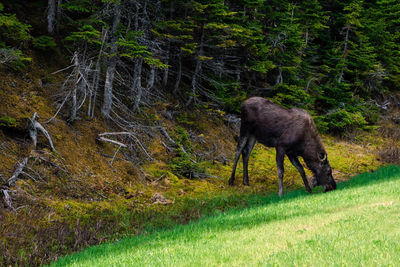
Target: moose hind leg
{"x": 245, "y": 156}
{"x": 296, "y": 163}
{"x": 242, "y": 142}
{"x": 280, "y": 157}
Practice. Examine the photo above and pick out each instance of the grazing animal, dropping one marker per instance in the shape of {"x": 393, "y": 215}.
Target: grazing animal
{"x": 292, "y": 132}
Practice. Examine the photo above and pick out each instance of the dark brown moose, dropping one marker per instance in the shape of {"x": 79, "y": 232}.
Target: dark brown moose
{"x": 292, "y": 132}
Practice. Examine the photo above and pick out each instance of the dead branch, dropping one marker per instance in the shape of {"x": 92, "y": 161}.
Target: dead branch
{"x": 7, "y": 199}
{"x": 70, "y": 66}
{"x": 33, "y": 129}
{"x": 116, "y": 152}
{"x": 130, "y": 134}
{"x": 111, "y": 141}
{"x": 17, "y": 172}
{"x": 59, "y": 108}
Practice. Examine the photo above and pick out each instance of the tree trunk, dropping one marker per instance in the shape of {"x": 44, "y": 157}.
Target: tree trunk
{"x": 279, "y": 79}
{"x": 346, "y": 40}
{"x": 152, "y": 78}
{"x": 72, "y": 116}
{"x": 96, "y": 77}
{"x": 238, "y": 71}
{"x": 197, "y": 70}
{"x": 136, "y": 15}
{"x": 108, "y": 86}
{"x": 137, "y": 83}
{"x": 166, "y": 71}
{"x": 58, "y": 17}
{"x": 51, "y": 16}
{"x": 179, "y": 74}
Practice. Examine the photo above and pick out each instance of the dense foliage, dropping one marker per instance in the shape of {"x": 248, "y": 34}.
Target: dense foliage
{"x": 330, "y": 57}
{"x": 13, "y": 34}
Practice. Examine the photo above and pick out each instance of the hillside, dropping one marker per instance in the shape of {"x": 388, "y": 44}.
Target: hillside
{"x": 353, "y": 226}
{"x": 88, "y": 192}
{"x": 119, "y": 118}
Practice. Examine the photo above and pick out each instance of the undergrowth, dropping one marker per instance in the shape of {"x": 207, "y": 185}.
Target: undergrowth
{"x": 79, "y": 196}
{"x": 88, "y": 201}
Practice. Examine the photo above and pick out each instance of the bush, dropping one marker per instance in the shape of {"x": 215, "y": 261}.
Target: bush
{"x": 182, "y": 165}
{"x": 291, "y": 95}
{"x": 12, "y": 57}
{"x": 8, "y": 121}
{"x": 44, "y": 42}
{"x": 181, "y": 137}
{"x": 340, "y": 121}
{"x": 12, "y": 33}
{"x": 229, "y": 93}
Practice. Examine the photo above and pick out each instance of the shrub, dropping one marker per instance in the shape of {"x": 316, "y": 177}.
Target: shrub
{"x": 181, "y": 137}
{"x": 291, "y": 95}
{"x": 183, "y": 166}
{"x": 13, "y": 58}
{"x": 12, "y": 33}
{"x": 43, "y": 42}
{"x": 341, "y": 121}
{"x": 8, "y": 121}
{"x": 228, "y": 93}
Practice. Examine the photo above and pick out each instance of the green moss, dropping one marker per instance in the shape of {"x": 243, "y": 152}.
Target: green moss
{"x": 8, "y": 121}
{"x": 186, "y": 118}
{"x": 156, "y": 169}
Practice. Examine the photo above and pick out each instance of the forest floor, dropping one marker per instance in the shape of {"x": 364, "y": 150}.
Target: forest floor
{"x": 356, "y": 225}
{"x": 87, "y": 192}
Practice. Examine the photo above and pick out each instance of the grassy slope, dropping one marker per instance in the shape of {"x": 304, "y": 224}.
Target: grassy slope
{"x": 355, "y": 225}
{"x": 92, "y": 202}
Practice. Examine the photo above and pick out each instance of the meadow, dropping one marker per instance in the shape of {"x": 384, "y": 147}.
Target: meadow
{"x": 356, "y": 225}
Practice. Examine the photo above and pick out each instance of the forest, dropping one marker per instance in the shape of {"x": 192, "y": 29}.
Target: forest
{"x": 104, "y": 103}
{"x": 333, "y": 58}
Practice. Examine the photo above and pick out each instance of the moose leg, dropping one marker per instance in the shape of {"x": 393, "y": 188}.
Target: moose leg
{"x": 295, "y": 161}
{"x": 242, "y": 142}
{"x": 280, "y": 157}
{"x": 251, "y": 141}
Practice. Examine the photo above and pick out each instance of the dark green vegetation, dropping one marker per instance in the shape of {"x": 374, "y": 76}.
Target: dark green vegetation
{"x": 356, "y": 225}
{"x": 137, "y": 98}
{"x": 330, "y": 57}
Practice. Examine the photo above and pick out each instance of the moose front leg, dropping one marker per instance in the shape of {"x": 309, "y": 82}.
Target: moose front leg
{"x": 295, "y": 161}
{"x": 241, "y": 144}
{"x": 280, "y": 157}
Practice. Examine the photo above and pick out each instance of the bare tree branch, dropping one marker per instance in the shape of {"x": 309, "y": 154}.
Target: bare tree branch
{"x": 34, "y": 127}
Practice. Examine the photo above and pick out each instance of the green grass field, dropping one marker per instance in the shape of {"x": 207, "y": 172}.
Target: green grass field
{"x": 356, "y": 225}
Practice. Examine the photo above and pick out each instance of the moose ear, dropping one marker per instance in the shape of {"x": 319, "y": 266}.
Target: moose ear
{"x": 322, "y": 157}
